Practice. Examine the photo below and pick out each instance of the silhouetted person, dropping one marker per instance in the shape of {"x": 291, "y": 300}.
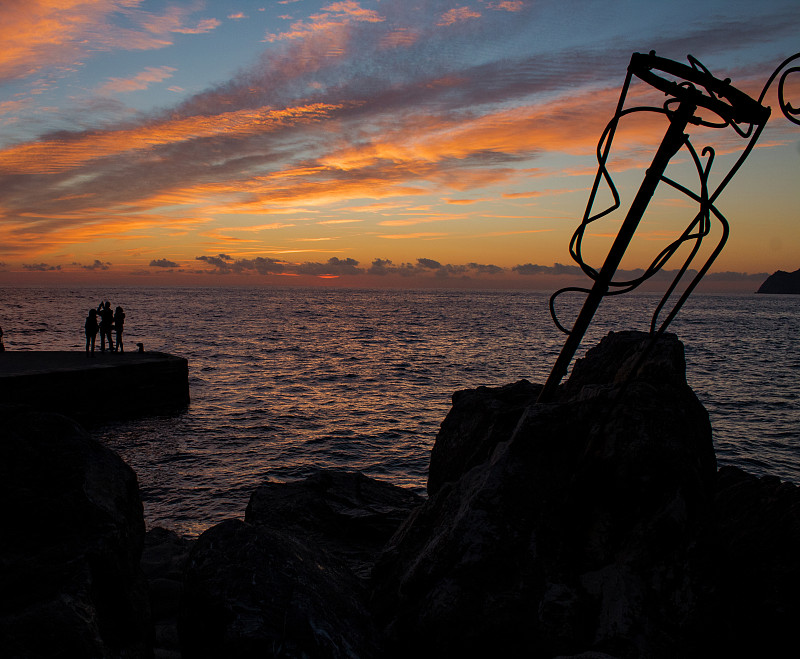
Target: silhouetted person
{"x": 106, "y": 321}
{"x": 119, "y": 322}
{"x": 90, "y": 328}
{"x": 2, "y": 347}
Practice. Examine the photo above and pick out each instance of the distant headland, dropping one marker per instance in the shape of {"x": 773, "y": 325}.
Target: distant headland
{"x": 787, "y": 283}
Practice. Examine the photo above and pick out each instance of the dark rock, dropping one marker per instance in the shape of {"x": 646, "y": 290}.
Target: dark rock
{"x": 253, "y": 591}
{"x": 163, "y": 563}
{"x": 349, "y": 515}
{"x": 478, "y": 420}
{"x": 755, "y": 550}
{"x": 577, "y": 535}
{"x": 72, "y": 538}
{"x": 289, "y": 580}
{"x": 781, "y": 282}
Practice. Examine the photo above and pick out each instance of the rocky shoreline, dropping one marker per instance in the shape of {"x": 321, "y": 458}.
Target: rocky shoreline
{"x": 596, "y": 526}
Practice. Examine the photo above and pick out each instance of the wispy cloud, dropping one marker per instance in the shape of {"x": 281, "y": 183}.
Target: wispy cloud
{"x": 458, "y": 15}
{"x": 38, "y": 34}
{"x": 350, "y": 118}
{"x": 142, "y": 80}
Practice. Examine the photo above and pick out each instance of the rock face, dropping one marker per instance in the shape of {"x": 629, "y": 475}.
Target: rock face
{"x": 576, "y": 535}
{"x": 480, "y": 418}
{"x": 289, "y": 580}
{"x": 781, "y": 282}
{"x": 755, "y": 552}
{"x": 251, "y": 591}
{"x": 163, "y": 563}
{"x": 349, "y": 515}
{"x": 72, "y": 538}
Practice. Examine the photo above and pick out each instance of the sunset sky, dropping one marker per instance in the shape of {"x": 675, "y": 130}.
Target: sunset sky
{"x": 414, "y": 142}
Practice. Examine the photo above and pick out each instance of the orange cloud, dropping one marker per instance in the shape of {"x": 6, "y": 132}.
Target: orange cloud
{"x": 457, "y": 15}
{"x": 32, "y": 236}
{"x": 140, "y": 81}
{"x": 332, "y": 21}
{"x": 58, "y": 33}
{"x": 402, "y": 37}
{"x": 339, "y": 221}
{"x": 59, "y": 154}
{"x": 539, "y": 193}
{"x": 410, "y": 236}
{"x": 438, "y": 217}
{"x": 507, "y": 5}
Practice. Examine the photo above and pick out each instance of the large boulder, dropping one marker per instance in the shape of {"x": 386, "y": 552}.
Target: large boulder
{"x": 163, "y": 563}
{"x": 289, "y": 581}
{"x": 479, "y": 419}
{"x": 348, "y": 514}
{"x": 755, "y": 552}
{"x": 72, "y": 538}
{"x": 251, "y": 591}
{"x": 577, "y": 535}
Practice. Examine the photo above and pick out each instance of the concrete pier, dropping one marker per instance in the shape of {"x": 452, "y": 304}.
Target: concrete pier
{"x": 109, "y": 385}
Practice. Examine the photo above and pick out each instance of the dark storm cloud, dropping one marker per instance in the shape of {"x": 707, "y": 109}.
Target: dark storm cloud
{"x": 430, "y": 268}
{"x": 220, "y": 262}
{"x": 555, "y": 269}
{"x": 163, "y": 263}
{"x": 485, "y": 269}
{"x": 429, "y": 264}
{"x": 261, "y": 265}
{"x": 97, "y": 265}
{"x": 40, "y": 267}
{"x": 334, "y": 266}
{"x": 425, "y": 266}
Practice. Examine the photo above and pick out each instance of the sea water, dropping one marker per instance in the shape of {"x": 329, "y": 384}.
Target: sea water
{"x": 287, "y": 380}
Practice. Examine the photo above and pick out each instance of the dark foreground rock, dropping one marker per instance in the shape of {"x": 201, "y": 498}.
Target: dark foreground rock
{"x": 756, "y": 557}
{"x": 479, "y": 420}
{"x": 596, "y": 528}
{"x": 349, "y": 515}
{"x": 164, "y": 563}
{"x": 70, "y": 545}
{"x": 251, "y": 591}
{"x": 289, "y": 580}
{"x": 781, "y": 282}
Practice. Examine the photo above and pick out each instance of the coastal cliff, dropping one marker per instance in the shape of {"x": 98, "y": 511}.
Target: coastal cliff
{"x": 780, "y": 282}
{"x": 597, "y": 525}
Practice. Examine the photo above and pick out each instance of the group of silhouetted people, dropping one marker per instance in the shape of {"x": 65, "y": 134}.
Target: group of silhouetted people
{"x": 108, "y": 321}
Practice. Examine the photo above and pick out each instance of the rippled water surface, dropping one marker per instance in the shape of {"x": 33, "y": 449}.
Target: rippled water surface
{"x": 286, "y": 380}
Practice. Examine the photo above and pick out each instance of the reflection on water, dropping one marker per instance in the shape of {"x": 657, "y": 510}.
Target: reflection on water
{"x": 286, "y": 380}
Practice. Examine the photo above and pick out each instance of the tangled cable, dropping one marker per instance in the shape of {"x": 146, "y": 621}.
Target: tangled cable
{"x": 734, "y": 109}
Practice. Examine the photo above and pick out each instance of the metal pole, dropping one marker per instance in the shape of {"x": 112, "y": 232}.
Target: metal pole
{"x": 670, "y": 145}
